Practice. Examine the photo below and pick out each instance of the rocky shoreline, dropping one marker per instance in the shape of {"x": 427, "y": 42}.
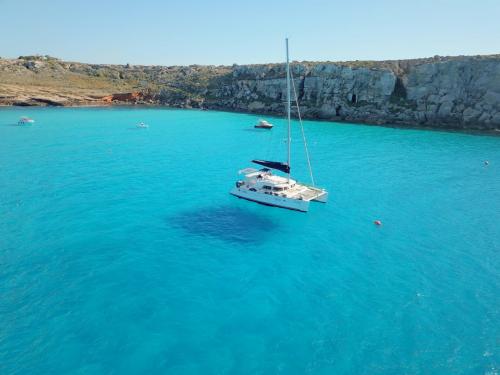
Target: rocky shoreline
{"x": 440, "y": 92}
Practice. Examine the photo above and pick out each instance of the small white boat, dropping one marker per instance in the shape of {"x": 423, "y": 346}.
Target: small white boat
{"x": 263, "y": 187}
{"x": 142, "y": 125}
{"x": 263, "y": 124}
{"x": 25, "y": 121}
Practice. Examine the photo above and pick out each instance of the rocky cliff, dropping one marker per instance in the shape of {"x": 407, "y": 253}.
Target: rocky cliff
{"x": 447, "y": 92}
{"x": 461, "y": 92}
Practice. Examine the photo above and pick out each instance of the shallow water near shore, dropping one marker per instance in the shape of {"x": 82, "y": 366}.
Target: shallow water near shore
{"x": 121, "y": 251}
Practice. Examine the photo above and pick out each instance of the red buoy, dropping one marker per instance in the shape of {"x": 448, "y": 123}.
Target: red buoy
{"x": 377, "y": 222}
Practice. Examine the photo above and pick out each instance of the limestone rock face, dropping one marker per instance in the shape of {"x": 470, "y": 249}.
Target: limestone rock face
{"x": 462, "y": 92}
{"x": 441, "y": 92}
{"x": 451, "y": 92}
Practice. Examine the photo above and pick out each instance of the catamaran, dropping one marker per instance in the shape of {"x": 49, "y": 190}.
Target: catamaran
{"x": 262, "y": 186}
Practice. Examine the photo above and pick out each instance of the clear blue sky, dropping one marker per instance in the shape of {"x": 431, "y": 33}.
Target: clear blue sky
{"x": 232, "y": 31}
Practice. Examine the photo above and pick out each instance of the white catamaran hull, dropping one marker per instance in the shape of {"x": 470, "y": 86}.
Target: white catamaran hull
{"x": 322, "y": 198}
{"x": 271, "y": 200}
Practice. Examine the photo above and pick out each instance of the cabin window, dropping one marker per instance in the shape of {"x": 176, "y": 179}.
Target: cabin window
{"x": 267, "y": 187}
{"x": 277, "y": 188}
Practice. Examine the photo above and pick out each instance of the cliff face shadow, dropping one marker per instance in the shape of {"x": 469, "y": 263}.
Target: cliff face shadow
{"x": 229, "y": 224}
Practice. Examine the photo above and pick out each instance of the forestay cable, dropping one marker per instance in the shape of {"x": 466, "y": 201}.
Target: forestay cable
{"x": 302, "y": 128}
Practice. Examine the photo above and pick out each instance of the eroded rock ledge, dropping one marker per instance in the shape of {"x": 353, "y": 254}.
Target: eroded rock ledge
{"x": 442, "y": 92}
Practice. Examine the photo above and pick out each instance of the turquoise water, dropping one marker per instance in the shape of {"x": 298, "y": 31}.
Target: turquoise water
{"x": 121, "y": 251}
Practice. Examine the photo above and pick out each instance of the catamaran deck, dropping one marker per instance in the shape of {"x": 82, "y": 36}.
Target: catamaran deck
{"x": 264, "y": 182}
{"x": 307, "y": 193}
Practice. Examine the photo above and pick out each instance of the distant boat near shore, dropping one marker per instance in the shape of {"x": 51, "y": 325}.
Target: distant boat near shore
{"x": 263, "y": 124}
{"x": 25, "y": 121}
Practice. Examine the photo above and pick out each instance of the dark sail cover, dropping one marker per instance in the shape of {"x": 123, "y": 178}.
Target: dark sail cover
{"x": 284, "y": 167}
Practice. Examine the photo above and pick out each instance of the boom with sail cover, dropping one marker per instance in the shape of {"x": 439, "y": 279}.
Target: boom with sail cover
{"x": 283, "y": 167}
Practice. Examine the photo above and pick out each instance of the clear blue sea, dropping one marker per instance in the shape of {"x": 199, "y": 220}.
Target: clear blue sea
{"x": 121, "y": 251}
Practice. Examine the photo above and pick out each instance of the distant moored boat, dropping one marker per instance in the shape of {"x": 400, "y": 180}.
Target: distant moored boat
{"x": 25, "y": 121}
{"x": 263, "y": 124}
{"x": 142, "y": 125}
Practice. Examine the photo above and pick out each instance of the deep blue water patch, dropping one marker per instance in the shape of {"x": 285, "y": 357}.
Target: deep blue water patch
{"x": 227, "y": 223}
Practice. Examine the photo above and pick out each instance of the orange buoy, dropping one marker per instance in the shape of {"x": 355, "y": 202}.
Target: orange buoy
{"x": 377, "y": 222}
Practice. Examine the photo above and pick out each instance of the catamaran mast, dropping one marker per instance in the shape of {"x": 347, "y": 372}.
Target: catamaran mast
{"x": 288, "y": 110}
